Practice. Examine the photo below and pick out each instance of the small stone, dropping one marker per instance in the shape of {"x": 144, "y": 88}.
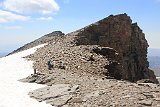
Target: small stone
{"x": 148, "y": 95}
{"x": 146, "y": 102}
{"x": 157, "y": 99}
{"x": 127, "y": 96}
{"x": 76, "y": 100}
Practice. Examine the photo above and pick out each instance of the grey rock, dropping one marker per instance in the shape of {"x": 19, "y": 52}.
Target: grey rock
{"x": 148, "y": 95}
{"x": 57, "y": 95}
{"x": 59, "y": 101}
{"x": 146, "y": 102}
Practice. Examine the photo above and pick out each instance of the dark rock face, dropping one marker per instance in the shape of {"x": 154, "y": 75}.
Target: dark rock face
{"x": 119, "y": 33}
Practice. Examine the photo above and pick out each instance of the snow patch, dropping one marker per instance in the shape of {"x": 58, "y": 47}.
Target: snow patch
{"x": 12, "y": 92}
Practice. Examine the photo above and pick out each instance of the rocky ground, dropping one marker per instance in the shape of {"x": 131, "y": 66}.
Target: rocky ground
{"x": 74, "y": 90}
{"x": 76, "y": 81}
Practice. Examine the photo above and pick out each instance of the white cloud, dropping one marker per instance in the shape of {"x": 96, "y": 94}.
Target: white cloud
{"x": 13, "y": 27}
{"x": 45, "y": 18}
{"x": 8, "y": 16}
{"x": 31, "y": 6}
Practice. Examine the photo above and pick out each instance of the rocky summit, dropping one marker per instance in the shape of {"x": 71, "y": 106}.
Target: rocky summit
{"x": 103, "y": 64}
{"x": 119, "y": 33}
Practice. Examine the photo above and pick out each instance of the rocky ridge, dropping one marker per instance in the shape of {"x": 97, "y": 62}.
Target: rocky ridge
{"x": 119, "y": 52}
{"x": 44, "y": 39}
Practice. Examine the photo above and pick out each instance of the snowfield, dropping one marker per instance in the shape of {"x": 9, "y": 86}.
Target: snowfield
{"x": 12, "y": 92}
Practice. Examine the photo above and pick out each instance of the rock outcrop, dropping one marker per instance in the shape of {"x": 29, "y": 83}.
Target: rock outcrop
{"x": 119, "y": 33}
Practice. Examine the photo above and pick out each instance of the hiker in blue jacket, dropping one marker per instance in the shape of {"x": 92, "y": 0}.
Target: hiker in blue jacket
{"x": 49, "y": 63}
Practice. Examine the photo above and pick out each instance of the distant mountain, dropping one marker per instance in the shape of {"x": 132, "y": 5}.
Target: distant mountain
{"x": 154, "y": 60}
{"x": 154, "y": 64}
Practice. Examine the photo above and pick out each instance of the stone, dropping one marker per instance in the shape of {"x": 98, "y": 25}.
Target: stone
{"x": 92, "y": 94}
{"x": 157, "y": 99}
{"x": 156, "y": 96}
{"x": 148, "y": 95}
{"x": 76, "y": 100}
{"x": 145, "y": 81}
{"x": 127, "y": 96}
{"x": 56, "y": 95}
{"x": 59, "y": 101}
{"x": 29, "y": 79}
{"x": 146, "y": 102}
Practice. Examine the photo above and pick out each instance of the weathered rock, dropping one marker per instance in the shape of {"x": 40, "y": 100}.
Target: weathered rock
{"x": 59, "y": 101}
{"x": 146, "y": 102}
{"x": 76, "y": 100}
{"x": 29, "y": 79}
{"x": 106, "y": 51}
{"x": 37, "y": 78}
{"x": 119, "y": 33}
{"x": 56, "y": 95}
{"x": 148, "y": 95}
{"x": 145, "y": 81}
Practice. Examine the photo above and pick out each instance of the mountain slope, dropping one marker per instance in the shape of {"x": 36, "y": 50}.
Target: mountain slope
{"x": 44, "y": 39}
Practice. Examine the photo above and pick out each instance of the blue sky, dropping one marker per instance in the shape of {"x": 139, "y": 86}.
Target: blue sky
{"x": 22, "y": 21}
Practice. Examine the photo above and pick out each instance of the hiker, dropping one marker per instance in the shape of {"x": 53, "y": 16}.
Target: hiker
{"x": 49, "y": 63}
